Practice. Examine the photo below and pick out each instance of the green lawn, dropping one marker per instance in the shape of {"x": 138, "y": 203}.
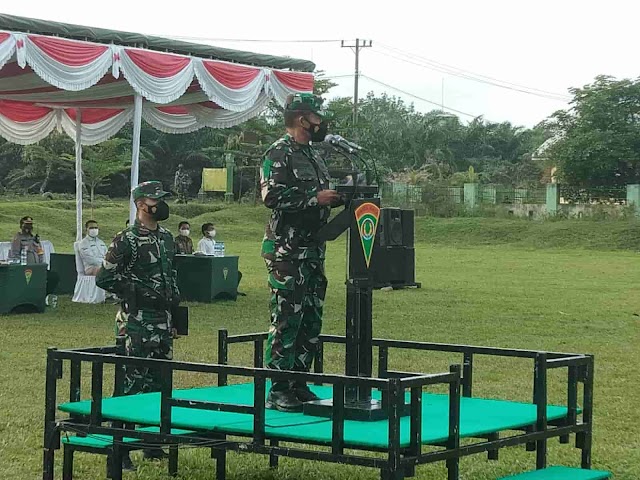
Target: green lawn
{"x": 512, "y": 295}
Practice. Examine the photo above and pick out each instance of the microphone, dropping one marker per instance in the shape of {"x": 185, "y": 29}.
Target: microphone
{"x": 338, "y": 141}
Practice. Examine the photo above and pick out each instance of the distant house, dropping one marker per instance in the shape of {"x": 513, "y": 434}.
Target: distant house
{"x": 539, "y": 155}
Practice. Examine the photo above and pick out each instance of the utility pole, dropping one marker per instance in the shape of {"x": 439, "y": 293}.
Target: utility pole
{"x": 358, "y": 45}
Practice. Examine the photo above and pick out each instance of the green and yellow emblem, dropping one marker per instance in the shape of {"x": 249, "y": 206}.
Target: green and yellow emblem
{"x": 225, "y": 272}
{"x": 367, "y": 216}
{"x": 27, "y": 275}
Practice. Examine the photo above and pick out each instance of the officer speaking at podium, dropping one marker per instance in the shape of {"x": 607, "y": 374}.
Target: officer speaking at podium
{"x": 295, "y": 186}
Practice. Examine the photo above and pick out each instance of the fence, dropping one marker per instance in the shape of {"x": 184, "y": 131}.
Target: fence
{"x": 548, "y": 200}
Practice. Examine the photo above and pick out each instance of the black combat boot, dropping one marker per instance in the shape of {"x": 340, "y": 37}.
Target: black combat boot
{"x": 154, "y": 454}
{"x": 283, "y": 400}
{"x": 303, "y": 392}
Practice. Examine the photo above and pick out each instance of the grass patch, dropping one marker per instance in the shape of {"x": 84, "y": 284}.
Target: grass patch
{"x": 511, "y": 294}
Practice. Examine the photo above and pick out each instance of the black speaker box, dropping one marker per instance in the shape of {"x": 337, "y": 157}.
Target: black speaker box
{"x": 391, "y": 233}
{"x": 394, "y": 266}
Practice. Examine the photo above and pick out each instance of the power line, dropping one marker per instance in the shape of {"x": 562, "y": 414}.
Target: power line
{"x": 404, "y": 92}
{"x": 414, "y": 59}
{"x": 251, "y": 40}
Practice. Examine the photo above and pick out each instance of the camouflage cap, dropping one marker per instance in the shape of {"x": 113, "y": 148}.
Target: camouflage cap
{"x": 151, "y": 189}
{"x": 305, "y": 102}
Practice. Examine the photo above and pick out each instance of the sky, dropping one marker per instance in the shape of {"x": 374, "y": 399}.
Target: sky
{"x": 545, "y": 45}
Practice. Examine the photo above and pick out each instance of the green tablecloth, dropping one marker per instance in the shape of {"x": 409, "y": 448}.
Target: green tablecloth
{"x": 205, "y": 278}
{"x": 64, "y": 264}
{"x": 23, "y": 285}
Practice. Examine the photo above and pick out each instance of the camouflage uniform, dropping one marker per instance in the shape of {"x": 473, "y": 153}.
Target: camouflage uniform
{"x": 184, "y": 245}
{"x": 291, "y": 176}
{"x": 181, "y": 185}
{"x": 138, "y": 268}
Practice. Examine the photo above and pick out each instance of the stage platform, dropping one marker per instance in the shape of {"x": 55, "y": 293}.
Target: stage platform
{"x": 478, "y": 417}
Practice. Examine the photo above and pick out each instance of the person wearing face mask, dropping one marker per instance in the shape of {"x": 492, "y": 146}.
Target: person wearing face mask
{"x": 92, "y": 250}
{"x": 295, "y": 186}
{"x": 25, "y": 241}
{"x": 207, "y": 244}
{"x": 139, "y": 268}
{"x": 184, "y": 244}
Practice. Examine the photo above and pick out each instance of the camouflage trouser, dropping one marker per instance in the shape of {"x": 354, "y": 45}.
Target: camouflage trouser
{"x": 182, "y": 195}
{"x": 145, "y": 337}
{"x": 298, "y": 290}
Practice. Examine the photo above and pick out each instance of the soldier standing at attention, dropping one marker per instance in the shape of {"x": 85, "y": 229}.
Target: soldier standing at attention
{"x": 295, "y": 186}
{"x": 139, "y": 269}
{"x": 181, "y": 184}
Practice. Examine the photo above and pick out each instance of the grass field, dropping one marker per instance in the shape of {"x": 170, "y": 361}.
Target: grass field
{"x": 491, "y": 282}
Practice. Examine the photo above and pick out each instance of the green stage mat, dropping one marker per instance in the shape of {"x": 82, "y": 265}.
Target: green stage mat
{"x": 561, "y": 473}
{"x": 478, "y": 417}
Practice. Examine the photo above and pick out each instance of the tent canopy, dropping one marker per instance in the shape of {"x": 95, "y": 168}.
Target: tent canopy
{"x": 47, "y": 76}
{"x": 90, "y": 82}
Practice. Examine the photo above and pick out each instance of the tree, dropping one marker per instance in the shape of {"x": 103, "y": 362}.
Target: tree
{"x": 599, "y": 135}
{"x": 102, "y": 161}
{"x": 43, "y": 164}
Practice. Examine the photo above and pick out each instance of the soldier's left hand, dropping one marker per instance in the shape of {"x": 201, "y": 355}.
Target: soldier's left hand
{"x": 174, "y": 333}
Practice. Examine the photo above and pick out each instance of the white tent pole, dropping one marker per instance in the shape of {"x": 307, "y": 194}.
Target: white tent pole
{"x": 135, "y": 154}
{"x": 78, "y": 175}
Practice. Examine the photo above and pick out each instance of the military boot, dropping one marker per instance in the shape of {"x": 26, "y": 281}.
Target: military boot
{"x": 283, "y": 400}
{"x": 303, "y": 392}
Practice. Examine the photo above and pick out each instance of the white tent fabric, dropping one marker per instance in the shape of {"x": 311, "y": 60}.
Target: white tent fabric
{"x": 91, "y": 90}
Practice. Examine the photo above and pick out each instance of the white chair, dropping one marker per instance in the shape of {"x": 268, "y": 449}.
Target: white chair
{"x": 86, "y": 290}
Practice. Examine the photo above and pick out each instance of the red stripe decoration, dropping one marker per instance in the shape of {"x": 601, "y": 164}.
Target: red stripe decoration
{"x": 68, "y": 52}
{"x": 159, "y": 65}
{"x": 22, "y": 112}
{"x": 4, "y": 36}
{"x": 302, "y": 82}
{"x": 230, "y": 75}
{"x": 94, "y": 115}
{"x": 174, "y": 110}
{"x": 211, "y": 105}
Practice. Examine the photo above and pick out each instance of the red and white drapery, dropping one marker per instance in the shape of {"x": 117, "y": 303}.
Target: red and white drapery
{"x": 43, "y": 79}
{"x": 91, "y": 90}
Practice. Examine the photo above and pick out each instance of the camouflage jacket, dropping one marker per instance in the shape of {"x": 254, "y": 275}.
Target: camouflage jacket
{"x": 184, "y": 245}
{"x": 291, "y": 177}
{"x": 138, "y": 267}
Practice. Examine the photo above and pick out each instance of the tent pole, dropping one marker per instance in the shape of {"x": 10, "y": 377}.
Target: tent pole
{"x": 79, "y": 182}
{"x": 135, "y": 155}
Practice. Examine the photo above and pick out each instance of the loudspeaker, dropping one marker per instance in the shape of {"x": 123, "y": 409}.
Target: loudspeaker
{"x": 391, "y": 233}
{"x": 395, "y": 266}
{"x": 407, "y": 228}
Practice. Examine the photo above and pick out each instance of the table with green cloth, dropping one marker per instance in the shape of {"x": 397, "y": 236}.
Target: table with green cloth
{"x": 206, "y": 278}
{"x": 23, "y": 286}
{"x": 64, "y": 264}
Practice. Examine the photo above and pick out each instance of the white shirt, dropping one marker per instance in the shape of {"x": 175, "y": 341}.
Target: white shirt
{"x": 206, "y": 246}
{"x": 92, "y": 251}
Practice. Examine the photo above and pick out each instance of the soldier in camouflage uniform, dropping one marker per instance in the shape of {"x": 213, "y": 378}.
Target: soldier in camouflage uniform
{"x": 181, "y": 184}
{"x": 138, "y": 268}
{"x": 295, "y": 186}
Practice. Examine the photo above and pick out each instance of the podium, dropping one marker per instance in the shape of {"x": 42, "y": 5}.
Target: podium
{"x": 360, "y": 218}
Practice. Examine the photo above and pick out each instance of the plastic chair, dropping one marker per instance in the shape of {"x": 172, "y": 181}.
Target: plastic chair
{"x": 86, "y": 290}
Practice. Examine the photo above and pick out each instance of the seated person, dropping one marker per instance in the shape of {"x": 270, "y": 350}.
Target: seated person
{"x": 25, "y": 240}
{"x": 183, "y": 242}
{"x": 92, "y": 250}
{"x": 207, "y": 244}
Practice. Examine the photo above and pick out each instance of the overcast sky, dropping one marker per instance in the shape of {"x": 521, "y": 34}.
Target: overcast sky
{"x": 546, "y": 45}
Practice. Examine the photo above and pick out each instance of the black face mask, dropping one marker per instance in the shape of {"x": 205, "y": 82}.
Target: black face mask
{"x": 317, "y": 131}
{"x": 159, "y": 212}
{"x": 27, "y": 228}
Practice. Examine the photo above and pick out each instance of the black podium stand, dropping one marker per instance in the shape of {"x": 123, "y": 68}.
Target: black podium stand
{"x": 360, "y": 219}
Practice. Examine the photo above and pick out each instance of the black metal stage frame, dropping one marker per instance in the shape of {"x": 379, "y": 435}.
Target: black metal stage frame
{"x": 395, "y": 462}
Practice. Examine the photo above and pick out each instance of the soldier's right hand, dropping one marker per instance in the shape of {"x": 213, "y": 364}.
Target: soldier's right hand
{"x": 328, "y": 197}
